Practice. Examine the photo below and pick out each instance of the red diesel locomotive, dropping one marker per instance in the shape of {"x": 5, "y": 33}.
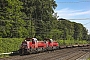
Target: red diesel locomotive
{"x": 32, "y": 45}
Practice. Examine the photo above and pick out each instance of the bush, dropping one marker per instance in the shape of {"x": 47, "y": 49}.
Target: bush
{"x": 9, "y": 44}
{"x": 71, "y": 42}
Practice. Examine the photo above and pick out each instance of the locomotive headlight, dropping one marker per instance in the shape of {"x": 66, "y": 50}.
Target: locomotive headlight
{"x": 24, "y": 44}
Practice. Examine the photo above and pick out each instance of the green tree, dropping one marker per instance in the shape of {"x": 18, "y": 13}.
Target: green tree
{"x": 84, "y": 33}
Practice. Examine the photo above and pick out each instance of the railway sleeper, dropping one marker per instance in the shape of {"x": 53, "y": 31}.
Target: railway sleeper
{"x": 85, "y": 56}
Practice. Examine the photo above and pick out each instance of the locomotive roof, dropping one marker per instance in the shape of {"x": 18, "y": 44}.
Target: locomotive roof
{"x": 28, "y": 39}
{"x": 47, "y": 39}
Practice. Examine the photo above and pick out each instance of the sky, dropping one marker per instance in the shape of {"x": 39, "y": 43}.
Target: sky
{"x": 74, "y": 9}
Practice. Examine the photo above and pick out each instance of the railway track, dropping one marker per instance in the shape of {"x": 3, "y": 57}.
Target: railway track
{"x": 40, "y": 55}
{"x": 62, "y": 54}
{"x": 77, "y": 55}
{"x": 51, "y": 54}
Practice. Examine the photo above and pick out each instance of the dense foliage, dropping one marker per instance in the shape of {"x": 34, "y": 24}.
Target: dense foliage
{"x": 29, "y": 18}
{"x": 10, "y": 44}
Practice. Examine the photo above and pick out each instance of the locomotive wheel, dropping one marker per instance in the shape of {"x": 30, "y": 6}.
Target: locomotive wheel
{"x": 43, "y": 49}
{"x": 33, "y": 51}
{"x": 57, "y": 47}
{"x": 52, "y": 49}
{"x": 36, "y": 50}
{"x": 21, "y": 51}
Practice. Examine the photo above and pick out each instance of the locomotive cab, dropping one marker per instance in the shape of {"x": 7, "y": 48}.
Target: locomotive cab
{"x": 28, "y": 45}
{"x": 25, "y": 46}
{"x": 50, "y": 40}
{"x": 52, "y": 44}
